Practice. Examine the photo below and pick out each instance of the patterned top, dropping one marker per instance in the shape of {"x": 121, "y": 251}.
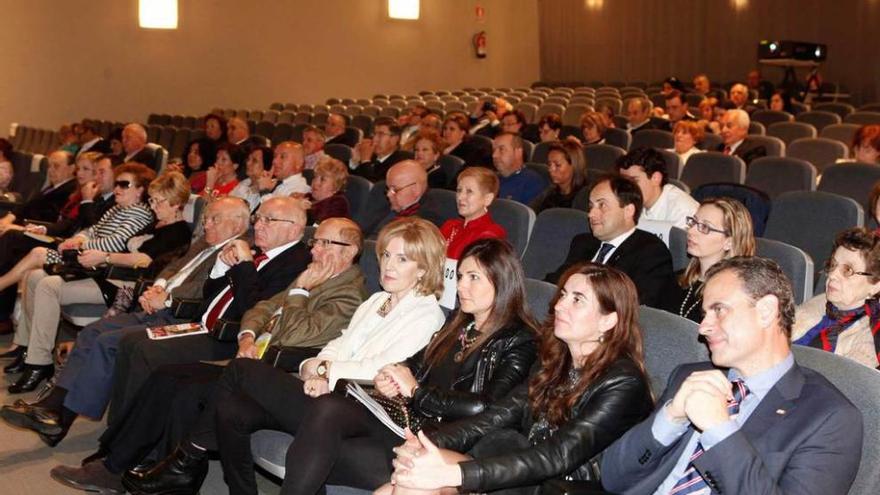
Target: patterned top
{"x": 117, "y": 226}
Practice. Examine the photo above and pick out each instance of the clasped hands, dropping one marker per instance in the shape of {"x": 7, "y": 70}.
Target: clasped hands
{"x": 421, "y": 465}
{"x": 702, "y": 399}
{"x": 153, "y": 299}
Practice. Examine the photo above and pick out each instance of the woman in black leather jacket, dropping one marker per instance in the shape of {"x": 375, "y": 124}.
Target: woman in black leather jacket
{"x": 485, "y": 350}
{"x": 590, "y": 389}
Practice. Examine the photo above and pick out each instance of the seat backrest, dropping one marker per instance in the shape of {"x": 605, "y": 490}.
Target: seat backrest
{"x": 530, "y": 110}
{"x": 370, "y": 266}
{"x": 840, "y": 132}
{"x": 541, "y": 169}
{"x": 818, "y": 118}
{"x": 364, "y": 123}
{"x": 602, "y": 156}
{"x": 861, "y": 385}
{"x": 669, "y": 341}
{"x": 265, "y": 128}
{"x": 160, "y": 156}
{"x": 551, "y": 237}
{"x": 442, "y": 203}
{"x": 673, "y": 163}
{"x": 820, "y": 152}
{"x": 539, "y": 295}
{"x": 357, "y": 190}
{"x": 757, "y": 202}
{"x": 652, "y": 138}
{"x": 795, "y": 263}
{"x": 711, "y": 142}
{"x": 789, "y": 131}
{"x": 769, "y": 117}
{"x": 573, "y": 112}
{"x": 540, "y": 152}
{"x": 618, "y": 137}
{"x": 678, "y": 248}
{"x": 712, "y": 166}
{"x": 550, "y": 107}
{"x": 811, "y": 220}
{"x": 451, "y": 166}
{"x": 516, "y": 218}
{"x": 775, "y": 175}
{"x": 853, "y": 180}
{"x": 282, "y": 132}
{"x": 756, "y": 129}
{"x": 863, "y": 118}
{"x": 841, "y": 109}
{"x": 178, "y": 144}
{"x": 340, "y": 152}
{"x": 773, "y": 145}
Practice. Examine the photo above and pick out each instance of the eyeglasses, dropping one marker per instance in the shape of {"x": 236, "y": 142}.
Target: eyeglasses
{"x": 156, "y": 201}
{"x": 846, "y": 271}
{"x": 395, "y": 190}
{"x": 383, "y": 134}
{"x": 257, "y": 218}
{"x": 325, "y": 242}
{"x": 123, "y": 184}
{"x": 702, "y": 227}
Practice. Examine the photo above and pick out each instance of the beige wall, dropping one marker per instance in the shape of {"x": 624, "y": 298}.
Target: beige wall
{"x": 67, "y": 60}
{"x": 652, "y": 39}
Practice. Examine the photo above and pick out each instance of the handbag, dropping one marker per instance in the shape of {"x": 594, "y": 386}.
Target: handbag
{"x": 400, "y": 411}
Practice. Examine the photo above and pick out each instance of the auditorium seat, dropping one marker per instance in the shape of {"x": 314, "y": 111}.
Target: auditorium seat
{"x": 678, "y": 249}
{"x": 853, "y": 180}
{"x": 618, "y": 137}
{"x": 841, "y": 109}
{"x": 777, "y": 175}
{"x": 821, "y": 152}
{"x": 357, "y": 190}
{"x": 364, "y": 123}
{"x": 451, "y": 166}
{"x": 811, "y": 220}
{"x": 516, "y": 218}
{"x": 302, "y": 118}
{"x": 863, "y": 118}
{"x": 282, "y": 132}
{"x": 773, "y": 145}
{"x": 340, "y": 152}
{"x": 548, "y": 108}
{"x": 756, "y": 129}
{"x": 818, "y": 119}
{"x": 539, "y": 295}
{"x": 770, "y": 117}
{"x": 797, "y": 265}
{"x": 673, "y": 163}
{"x": 845, "y": 133}
{"x": 539, "y": 153}
{"x": 756, "y": 201}
{"x": 652, "y": 138}
{"x": 711, "y": 142}
{"x": 541, "y": 169}
{"x": 789, "y": 131}
{"x": 178, "y": 144}
{"x": 551, "y": 236}
{"x": 602, "y": 156}
{"x": 713, "y": 166}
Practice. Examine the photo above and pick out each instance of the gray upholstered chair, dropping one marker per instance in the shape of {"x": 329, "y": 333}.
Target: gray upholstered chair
{"x": 796, "y": 264}
{"x": 551, "y": 237}
{"x": 775, "y": 175}
{"x": 821, "y": 152}
{"x": 853, "y": 180}
{"x": 712, "y": 166}
{"x": 516, "y": 218}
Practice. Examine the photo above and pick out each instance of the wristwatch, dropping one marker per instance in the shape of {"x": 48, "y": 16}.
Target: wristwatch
{"x": 322, "y": 369}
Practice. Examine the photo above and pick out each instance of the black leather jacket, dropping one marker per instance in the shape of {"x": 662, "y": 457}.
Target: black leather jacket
{"x": 485, "y": 376}
{"x": 609, "y": 407}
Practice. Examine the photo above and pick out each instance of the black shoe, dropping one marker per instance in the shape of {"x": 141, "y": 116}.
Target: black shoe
{"x": 16, "y": 366}
{"x": 14, "y": 353}
{"x": 181, "y": 473}
{"x": 100, "y": 454}
{"x": 31, "y": 378}
{"x": 34, "y": 418}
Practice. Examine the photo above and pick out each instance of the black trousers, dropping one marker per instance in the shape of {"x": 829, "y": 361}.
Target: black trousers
{"x": 13, "y": 247}
{"x": 168, "y": 405}
{"x": 138, "y": 357}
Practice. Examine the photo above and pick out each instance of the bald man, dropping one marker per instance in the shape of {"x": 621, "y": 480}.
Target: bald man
{"x": 286, "y": 179}
{"x": 405, "y": 188}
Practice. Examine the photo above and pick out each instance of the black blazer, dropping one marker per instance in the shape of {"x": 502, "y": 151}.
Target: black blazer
{"x": 101, "y": 146}
{"x": 144, "y": 157}
{"x": 46, "y": 207}
{"x": 611, "y": 405}
{"x": 474, "y": 152}
{"x": 804, "y": 437}
{"x": 642, "y": 256}
{"x": 748, "y": 150}
{"x": 347, "y": 139}
{"x": 653, "y": 123}
{"x": 374, "y": 170}
{"x": 251, "y": 286}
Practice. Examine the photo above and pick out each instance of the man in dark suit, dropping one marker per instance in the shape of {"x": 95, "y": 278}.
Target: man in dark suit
{"x": 134, "y": 146}
{"x": 735, "y": 132}
{"x": 638, "y": 115}
{"x": 373, "y": 157}
{"x": 405, "y": 190}
{"x": 677, "y": 108}
{"x": 90, "y": 140}
{"x": 752, "y": 420}
{"x": 219, "y": 270}
{"x": 739, "y": 96}
{"x": 46, "y": 206}
{"x": 614, "y": 209}
{"x": 334, "y": 131}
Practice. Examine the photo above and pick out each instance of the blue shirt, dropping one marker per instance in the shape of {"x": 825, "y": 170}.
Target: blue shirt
{"x": 667, "y": 431}
{"x": 522, "y": 186}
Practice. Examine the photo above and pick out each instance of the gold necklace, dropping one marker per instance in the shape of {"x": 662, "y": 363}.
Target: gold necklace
{"x": 465, "y": 340}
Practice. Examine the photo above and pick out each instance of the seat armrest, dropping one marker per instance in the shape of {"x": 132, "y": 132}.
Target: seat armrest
{"x": 185, "y": 309}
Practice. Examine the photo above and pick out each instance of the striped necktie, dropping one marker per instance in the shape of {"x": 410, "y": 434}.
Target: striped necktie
{"x": 219, "y": 307}
{"x": 691, "y": 482}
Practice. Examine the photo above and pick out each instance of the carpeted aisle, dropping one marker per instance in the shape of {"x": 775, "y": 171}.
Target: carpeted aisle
{"x": 25, "y": 461}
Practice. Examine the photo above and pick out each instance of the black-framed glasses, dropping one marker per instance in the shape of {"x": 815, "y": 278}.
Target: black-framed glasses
{"x": 846, "y": 271}
{"x": 325, "y": 242}
{"x": 257, "y": 218}
{"x": 702, "y": 227}
{"x": 123, "y": 184}
{"x": 395, "y": 190}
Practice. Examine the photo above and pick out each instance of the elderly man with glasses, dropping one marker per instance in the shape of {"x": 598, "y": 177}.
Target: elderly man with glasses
{"x": 219, "y": 270}
{"x": 405, "y": 188}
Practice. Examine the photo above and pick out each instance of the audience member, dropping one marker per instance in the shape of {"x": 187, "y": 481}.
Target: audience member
{"x": 286, "y": 178}
{"x": 606, "y": 109}
{"x": 866, "y": 144}
{"x": 67, "y": 139}
{"x": 671, "y": 84}
{"x": 781, "y": 101}
{"x": 116, "y": 150}
{"x": 517, "y": 182}
{"x": 373, "y": 157}
{"x": 638, "y": 114}
{"x": 763, "y": 88}
{"x": 710, "y": 112}
{"x": 589, "y": 389}
{"x": 735, "y": 131}
{"x": 431, "y": 122}
{"x": 477, "y": 189}
{"x": 661, "y": 201}
{"x": 258, "y": 165}
{"x": 702, "y": 86}
{"x": 428, "y": 148}
{"x": 843, "y": 320}
{"x": 474, "y": 151}
{"x": 200, "y": 156}
{"x": 410, "y": 122}
{"x": 739, "y": 96}
{"x": 222, "y": 177}
{"x": 334, "y": 131}
{"x": 134, "y": 145}
{"x": 237, "y": 131}
{"x": 390, "y": 326}
{"x": 720, "y": 229}
{"x": 593, "y": 126}
{"x": 227, "y": 282}
{"x": 677, "y": 108}
{"x": 317, "y": 306}
{"x": 47, "y": 205}
{"x": 614, "y": 210}
{"x": 90, "y": 140}
{"x": 568, "y": 175}
{"x": 405, "y": 190}
{"x": 327, "y": 199}
{"x": 486, "y": 118}
{"x": 215, "y": 127}
{"x": 752, "y": 420}
{"x": 7, "y": 171}
{"x": 513, "y": 122}
{"x": 313, "y": 146}
{"x": 688, "y": 135}
{"x": 549, "y": 127}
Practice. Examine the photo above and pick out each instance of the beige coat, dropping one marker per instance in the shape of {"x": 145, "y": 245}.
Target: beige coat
{"x": 856, "y": 342}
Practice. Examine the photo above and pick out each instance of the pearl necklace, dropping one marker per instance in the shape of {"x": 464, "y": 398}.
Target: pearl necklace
{"x": 687, "y": 296}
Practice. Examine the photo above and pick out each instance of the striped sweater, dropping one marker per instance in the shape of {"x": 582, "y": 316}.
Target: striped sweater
{"x": 116, "y": 227}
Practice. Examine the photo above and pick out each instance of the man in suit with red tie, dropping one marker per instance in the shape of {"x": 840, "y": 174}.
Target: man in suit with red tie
{"x": 752, "y": 420}
{"x": 225, "y": 275}
{"x": 735, "y": 133}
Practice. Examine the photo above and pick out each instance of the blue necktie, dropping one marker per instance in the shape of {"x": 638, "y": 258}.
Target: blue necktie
{"x": 691, "y": 482}
{"x": 603, "y": 252}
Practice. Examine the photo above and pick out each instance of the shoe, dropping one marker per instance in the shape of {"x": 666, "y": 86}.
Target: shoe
{"x": 16, "y": 366}
{"x": 31, "y": 378}
{"x": 181, "y": 473}
{"x": 14, "y": 353}
{"x": 6, "y": 327}
{"x": 93, "y": 477}
{"x": 99, "y": 455}
{"x": 34, "y": 418}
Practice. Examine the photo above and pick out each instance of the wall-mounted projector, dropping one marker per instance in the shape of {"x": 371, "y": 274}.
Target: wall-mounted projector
{"x": 796, "y": 50}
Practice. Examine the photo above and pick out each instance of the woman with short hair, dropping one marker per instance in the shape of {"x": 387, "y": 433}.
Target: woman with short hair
{"x": 428, "y": 147}
{"x": 688, "y": 136}
{"x": 327, "y": 198}
{"x": 593, "y": 126}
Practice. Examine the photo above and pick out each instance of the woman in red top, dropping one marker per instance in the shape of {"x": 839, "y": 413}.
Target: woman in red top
{"x": 223, "y": 176}
{"x": 477, "y": 189}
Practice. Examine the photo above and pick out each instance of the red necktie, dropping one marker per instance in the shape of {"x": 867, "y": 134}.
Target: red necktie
{"x": 216, "y": 310}
{"x": 727, "y": 150}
